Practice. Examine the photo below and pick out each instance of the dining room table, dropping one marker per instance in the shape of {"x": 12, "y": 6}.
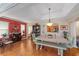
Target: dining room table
{"x": 58, "y": 42}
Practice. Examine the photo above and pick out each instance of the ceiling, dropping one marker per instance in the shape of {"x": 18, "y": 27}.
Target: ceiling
{"x": 30, "y": 12}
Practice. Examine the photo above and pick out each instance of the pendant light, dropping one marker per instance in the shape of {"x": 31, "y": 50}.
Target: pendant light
{"x": 49, "y": 23}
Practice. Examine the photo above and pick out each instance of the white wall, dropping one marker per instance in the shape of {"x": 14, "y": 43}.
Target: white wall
{"x": 73, "y": 32}
{"x": 77, "y": 28}
{"x": 44, "y": 26}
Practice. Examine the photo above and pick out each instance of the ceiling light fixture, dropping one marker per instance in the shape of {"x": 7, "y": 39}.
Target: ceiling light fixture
{"x": 49, "y": 23}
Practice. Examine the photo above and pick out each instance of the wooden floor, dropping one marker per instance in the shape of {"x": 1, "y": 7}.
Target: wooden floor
{"x": 27, "y": 48}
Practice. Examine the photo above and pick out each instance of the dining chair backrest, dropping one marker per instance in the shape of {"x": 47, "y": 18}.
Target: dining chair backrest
{"x": 71, "y": 40}
{"x": 33, "y": 36}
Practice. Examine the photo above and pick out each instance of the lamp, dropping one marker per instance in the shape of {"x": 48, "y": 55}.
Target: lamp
{"x": 49, "y": 23}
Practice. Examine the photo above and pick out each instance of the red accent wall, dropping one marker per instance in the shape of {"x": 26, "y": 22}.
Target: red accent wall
{"x": 13, "y": 23}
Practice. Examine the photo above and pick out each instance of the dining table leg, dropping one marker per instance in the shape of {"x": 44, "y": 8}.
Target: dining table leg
{"x": 60, "y": 52}
{"x": 40, "y": 46}
{"x": 37, "y": 46}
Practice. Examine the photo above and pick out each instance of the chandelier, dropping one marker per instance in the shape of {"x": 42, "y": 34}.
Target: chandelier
{"x": 49, "y": 23}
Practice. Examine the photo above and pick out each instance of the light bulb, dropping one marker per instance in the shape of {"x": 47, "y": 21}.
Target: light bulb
{"x": 49, "y": 24}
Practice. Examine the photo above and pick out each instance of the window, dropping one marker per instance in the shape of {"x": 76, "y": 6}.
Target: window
{"x": 3, "y": 28}
{"x": 22, "y": 28}
{"x": 29, "y": 29}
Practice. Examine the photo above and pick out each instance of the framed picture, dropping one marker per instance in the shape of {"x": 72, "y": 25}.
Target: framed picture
{"x": 53, "y": 28}
{"x": 64, "y": 27}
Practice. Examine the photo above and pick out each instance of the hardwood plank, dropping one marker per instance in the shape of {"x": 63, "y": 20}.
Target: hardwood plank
{"x": 27, "y": 48}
